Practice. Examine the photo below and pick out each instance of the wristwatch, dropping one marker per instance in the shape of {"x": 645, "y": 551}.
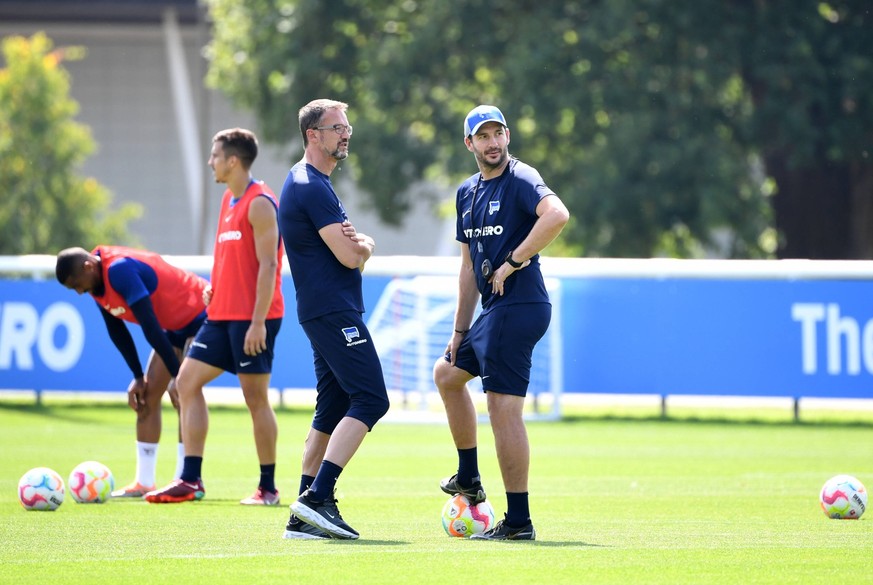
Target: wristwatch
{"x": 512, "y": 262}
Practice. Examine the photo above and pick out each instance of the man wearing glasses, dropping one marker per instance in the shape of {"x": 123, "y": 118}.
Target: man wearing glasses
{"x": 326, "y": 255}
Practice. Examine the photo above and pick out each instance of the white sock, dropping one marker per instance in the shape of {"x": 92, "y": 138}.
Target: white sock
{"x": 146, "y": 461}
{"x": 180, "y": 460}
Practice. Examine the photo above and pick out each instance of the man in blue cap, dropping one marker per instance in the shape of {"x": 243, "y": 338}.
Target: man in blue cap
{"x": 505, "y": 216}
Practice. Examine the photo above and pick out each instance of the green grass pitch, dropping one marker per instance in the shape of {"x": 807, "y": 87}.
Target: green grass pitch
{"x": 614, "y": 500}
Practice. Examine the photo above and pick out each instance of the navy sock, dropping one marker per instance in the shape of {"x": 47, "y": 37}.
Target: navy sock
{"x": 191, "y": 469}
{"x": 517, "y": 509}
{"x": 305, "y": 482}
{"x": 322, "y": 487}
{"x": 468, "y": 467}
{"x": 268, "y": 478}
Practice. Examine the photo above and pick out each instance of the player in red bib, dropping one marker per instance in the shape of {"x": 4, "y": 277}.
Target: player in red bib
{"x": 167, "y": 302}
{"x": 245, "y": 310}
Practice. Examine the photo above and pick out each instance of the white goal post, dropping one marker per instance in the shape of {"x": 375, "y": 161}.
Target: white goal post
{"x": 412, "y": 323}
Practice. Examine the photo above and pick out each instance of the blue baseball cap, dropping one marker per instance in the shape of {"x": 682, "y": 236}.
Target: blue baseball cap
{"x": 480, "y": 115}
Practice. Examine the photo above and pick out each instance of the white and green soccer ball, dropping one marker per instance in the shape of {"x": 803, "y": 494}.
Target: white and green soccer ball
{"x": 843, "y": 497}
{"x": 91, "y": 482}
{"x": 462, "y": 519}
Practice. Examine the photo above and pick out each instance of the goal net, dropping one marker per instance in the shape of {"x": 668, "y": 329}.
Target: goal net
{"x": 411, "y": 325}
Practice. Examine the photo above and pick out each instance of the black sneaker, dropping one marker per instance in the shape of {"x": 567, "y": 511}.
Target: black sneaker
{"x": 475, "y": 493}
{"x": 324, "y": 515}
{"x": 300, "y": 530}
{"x": 503, "y": 532}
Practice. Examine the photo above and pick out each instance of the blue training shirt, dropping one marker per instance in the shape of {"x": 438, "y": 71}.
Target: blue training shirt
{"x": 132, "y": 279}
{"x": 493, "y": 217}
{"x": 307, "y": 204}
{"x": 135, "y": 280}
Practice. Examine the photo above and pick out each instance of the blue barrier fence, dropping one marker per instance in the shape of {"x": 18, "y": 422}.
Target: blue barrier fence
{"x": 718, "y": 337}
{"x": 646, "y": 327}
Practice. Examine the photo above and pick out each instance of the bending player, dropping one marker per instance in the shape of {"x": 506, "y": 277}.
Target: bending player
{"x": 138, "y": 286}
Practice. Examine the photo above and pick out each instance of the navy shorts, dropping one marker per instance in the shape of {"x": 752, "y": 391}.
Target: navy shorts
{"x": 348, "y": 373}
{"x": 500, "y": 344}
{"x": 220, "y": 344}
{"x": 180, "y": 336}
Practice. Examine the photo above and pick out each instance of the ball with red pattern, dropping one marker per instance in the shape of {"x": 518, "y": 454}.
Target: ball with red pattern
{"x": 462, "y": 519}
{"x": 91, "y": 482}
{"x": 843, "y": 497}
{"x": 41, "y": 488}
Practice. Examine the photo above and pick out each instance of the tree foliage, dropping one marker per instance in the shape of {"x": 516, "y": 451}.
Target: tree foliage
{"x": 46, "y": 205}
{"x": 668, "y": 127}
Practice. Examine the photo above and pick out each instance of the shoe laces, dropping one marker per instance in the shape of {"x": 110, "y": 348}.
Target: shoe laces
{"x": 331, "y": 503}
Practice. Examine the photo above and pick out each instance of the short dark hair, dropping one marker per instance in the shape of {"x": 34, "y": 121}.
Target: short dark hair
{"x": 310, "y": 115}
{"x": 240, "y": 143}
{"x": 70, "y": 263}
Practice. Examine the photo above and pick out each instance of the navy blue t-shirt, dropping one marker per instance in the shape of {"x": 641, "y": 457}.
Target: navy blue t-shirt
{"x": 307, "y": 204}
{"x": 493, "y": 217}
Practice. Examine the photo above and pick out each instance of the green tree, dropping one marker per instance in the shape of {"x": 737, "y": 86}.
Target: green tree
{"x": 46, "y": 205}
{"x": 668, "y": 128}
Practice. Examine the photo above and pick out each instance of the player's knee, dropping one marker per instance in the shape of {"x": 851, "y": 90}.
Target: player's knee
{"x": 185, "y": 386}
{"x": 448, "y": 378}
{"x": 152, "y": 398}
{"x": 257, "y": 400}
{"x": 372, "y": 410}
{"x": 441, "y": 372}
{"x": 377, "y": 408}
{"x": 382, "y": 406}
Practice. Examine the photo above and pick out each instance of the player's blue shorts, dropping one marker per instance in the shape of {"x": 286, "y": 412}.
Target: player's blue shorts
{"x": 220, "y": 344}
{"x": 500, "y": 344}
{"x": 348, "y": 373}
{"x": 180, "y": 336}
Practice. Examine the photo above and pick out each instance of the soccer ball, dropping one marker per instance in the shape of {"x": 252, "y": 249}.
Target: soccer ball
{"x": 462, "y": 519}
{"x": 843, "y": 497}
{"x": 91, "y": 482}
{"x": 41, "y": 488}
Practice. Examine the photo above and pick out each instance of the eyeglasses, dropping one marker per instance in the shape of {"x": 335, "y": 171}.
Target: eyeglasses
{"x": 338, "y": 128}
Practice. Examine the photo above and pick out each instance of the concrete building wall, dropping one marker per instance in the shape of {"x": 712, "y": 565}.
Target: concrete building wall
{"x": 125, "y": 92}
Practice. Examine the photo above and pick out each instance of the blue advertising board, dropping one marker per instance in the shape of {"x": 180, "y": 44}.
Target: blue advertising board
{"x": 729, "y": 337}
{"x": 666, "y": 336}
{"x": 53, "y": 339}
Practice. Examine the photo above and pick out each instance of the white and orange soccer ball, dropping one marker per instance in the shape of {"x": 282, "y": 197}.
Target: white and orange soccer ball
{"x": 91, "y": 482}
{"x": 843, "y": 497}
{"x": 461, "y": 519}
{"x": 41, "y": 488}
